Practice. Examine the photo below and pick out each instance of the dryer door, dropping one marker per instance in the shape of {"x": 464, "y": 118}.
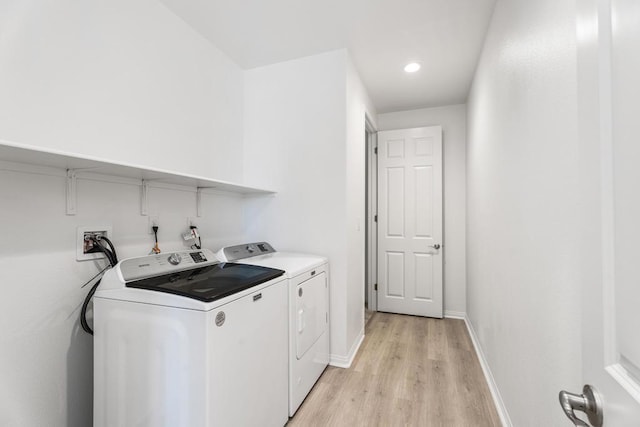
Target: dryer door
{"x": 311, "y": 312}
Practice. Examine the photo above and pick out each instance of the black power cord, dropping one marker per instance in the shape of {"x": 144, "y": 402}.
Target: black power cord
{"x": 111, "y": 247}
{"x": 85, "y": 305}
{"x": 156, "y": 248}
{"x": 110, "y": 254}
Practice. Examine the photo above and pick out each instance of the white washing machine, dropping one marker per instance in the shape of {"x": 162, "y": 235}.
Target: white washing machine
{"x": 182, "y": 340}
{"x": 308, "y": 283}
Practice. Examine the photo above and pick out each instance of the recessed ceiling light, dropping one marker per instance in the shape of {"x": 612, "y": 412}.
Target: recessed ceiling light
{"x": 412, "y": 67}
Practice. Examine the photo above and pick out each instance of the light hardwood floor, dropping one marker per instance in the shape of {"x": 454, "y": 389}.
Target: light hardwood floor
{"x": 410, "y": 371}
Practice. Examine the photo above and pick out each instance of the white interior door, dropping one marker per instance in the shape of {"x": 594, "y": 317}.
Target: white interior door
{"x": 608, "y": 92}
{"x": 410, "y": 221}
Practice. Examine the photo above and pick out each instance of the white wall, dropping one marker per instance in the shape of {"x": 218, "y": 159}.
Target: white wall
{"x": 295, "y": 143}
{"x": 453, "y": 120}
{"x": 525, "y": 228}
{"x": 358, "y": 109}
{"x": 120, "y": 80}
{"x": 299, "y": 140}
{"x": 46, "y": 359}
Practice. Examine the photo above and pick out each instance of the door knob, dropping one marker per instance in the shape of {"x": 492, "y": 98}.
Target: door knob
{"x": 588, "y": 402}
{"x": 436, "y": 246}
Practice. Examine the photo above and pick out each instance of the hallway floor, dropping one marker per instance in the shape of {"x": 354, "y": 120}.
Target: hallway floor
{"x": 410, "y": 371}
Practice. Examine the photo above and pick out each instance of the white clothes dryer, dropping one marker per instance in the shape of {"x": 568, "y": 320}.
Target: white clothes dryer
{"x": 308, "y": 283}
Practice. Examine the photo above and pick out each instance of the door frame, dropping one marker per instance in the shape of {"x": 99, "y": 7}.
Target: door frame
{"x": 371, "y": 240}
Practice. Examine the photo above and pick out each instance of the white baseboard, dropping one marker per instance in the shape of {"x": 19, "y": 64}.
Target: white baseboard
{"x": 345, "y": 361}
{"x": 451, "y": 314}
{"x": 495, "y": 393}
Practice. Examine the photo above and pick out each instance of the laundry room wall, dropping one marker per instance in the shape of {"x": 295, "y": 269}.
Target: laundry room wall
{"x": 46, "y": 359}
{"x": 359, "y": 109}
{"x": 453, "y": 120}
{"x": 298, "y": 142}
{"x": 125, "y": 81}
{"x": 527, "y": 226}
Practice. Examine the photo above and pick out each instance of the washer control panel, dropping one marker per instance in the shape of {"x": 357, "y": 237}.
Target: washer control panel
{"x": 247, "y": 250}
{"x": 153, "y": 265}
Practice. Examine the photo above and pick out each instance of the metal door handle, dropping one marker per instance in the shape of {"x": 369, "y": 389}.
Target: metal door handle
{"x": 588, "y": 402}
{"x": 436, "y": 246}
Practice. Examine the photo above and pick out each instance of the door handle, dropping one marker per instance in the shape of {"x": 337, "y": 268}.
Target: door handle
{"x": 588, "y": 402}
{"x": 436, "y": 246}
{"x": 301, "y": 324}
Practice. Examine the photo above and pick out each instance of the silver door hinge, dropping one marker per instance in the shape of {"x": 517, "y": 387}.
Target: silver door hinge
{"x": 375, "y": 287}
{"x": 375, "y": 150}
{"x": 375, "y": 218}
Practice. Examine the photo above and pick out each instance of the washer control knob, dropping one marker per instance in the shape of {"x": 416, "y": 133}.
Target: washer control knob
{"x": 174, "y": 259}
{"x": 250, "y": 249}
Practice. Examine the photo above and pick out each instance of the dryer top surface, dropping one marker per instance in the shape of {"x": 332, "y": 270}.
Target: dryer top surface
{"x": 292, "y": 263}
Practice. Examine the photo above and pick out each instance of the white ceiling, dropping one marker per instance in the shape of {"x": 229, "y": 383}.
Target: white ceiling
{"x": 445, "y": 36}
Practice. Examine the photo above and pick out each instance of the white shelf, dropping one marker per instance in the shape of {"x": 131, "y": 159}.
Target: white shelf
{"x": 24, "y": 158}
{"x": 16, "y": 153}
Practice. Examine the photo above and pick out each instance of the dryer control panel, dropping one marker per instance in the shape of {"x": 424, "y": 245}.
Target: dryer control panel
{"x": 247, "y": 250}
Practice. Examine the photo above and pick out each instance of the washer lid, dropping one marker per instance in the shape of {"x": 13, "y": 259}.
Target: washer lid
{"x": 208, "y": 283}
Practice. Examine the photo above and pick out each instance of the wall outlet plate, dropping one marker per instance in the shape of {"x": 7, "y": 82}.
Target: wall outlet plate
{"x": 105, "y": 230}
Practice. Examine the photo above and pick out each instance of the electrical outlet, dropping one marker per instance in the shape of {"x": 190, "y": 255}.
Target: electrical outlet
{"x": 154, "y": 220}
{"x": 84, "y": 243}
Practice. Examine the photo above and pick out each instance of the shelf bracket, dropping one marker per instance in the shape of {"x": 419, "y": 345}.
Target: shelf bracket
{"x": 199, "y": 201}
{"x": 144, "y": 198}
{"x": 72, "y": 194}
